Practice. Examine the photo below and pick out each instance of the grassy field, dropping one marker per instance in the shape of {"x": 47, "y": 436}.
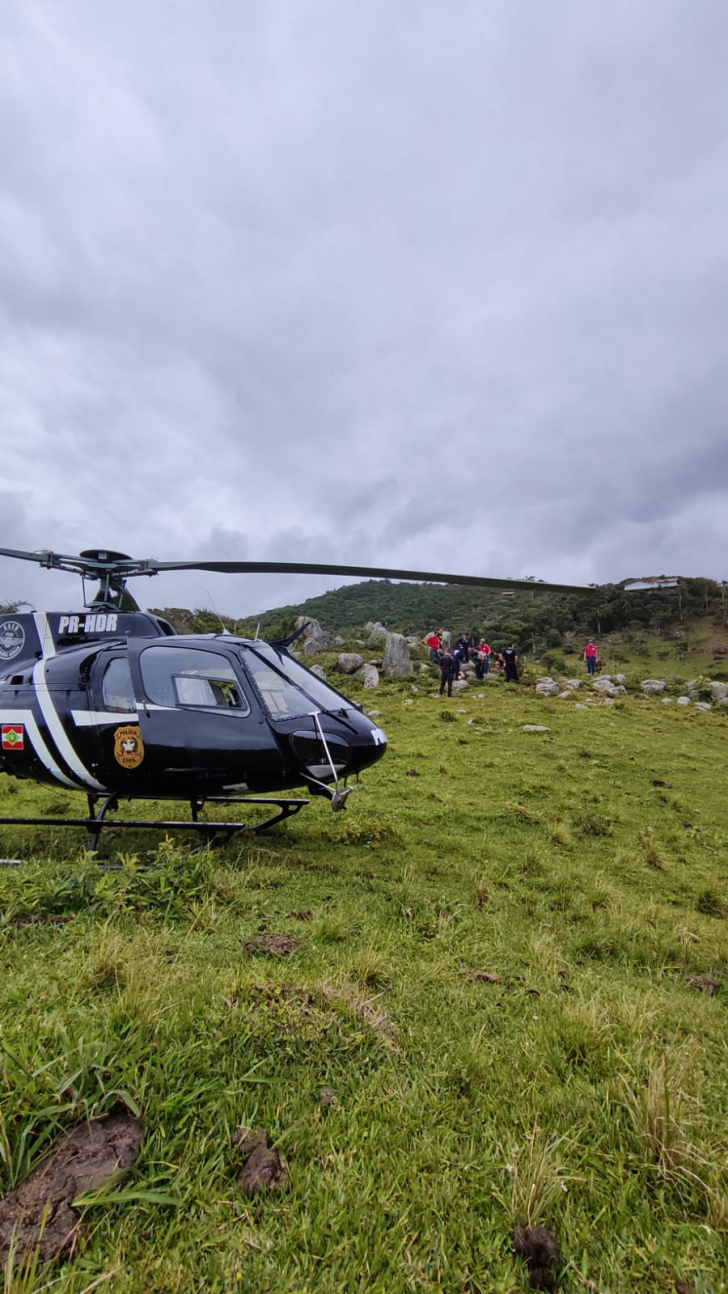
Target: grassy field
{"x": 581, "y": 1083}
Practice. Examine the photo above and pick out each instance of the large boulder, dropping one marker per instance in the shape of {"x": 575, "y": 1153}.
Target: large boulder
{"x": 719, "y": 691}
{"x": 654, "y": 686}
{"x": 349, "y": 662}
{"x": 396, "y": 662}
{"x": 683, "y": 700}
{"x": 319, "y": 671}
{"x": 313, "y": 633}
{"x": 573, "y": 683}
{"x": 370, "y": 676}
{"x": 547, "y": 687}
{"x": 377, "y": 633}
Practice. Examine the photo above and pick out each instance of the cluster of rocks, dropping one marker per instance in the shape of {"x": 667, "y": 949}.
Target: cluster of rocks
{"x": 608, "y": 688}
{"x": 695, "y": 694}
{"x": 395, "y": 662}
{"x": 314, "y": 639}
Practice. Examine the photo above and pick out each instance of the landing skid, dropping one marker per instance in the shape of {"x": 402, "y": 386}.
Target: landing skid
{"x": 96, "y": 822}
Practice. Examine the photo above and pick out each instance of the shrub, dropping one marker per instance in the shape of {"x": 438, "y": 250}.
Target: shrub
{"x": 555, "y": 661}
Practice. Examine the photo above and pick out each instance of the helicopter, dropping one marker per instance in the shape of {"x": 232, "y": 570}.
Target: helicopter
{"x": 112, "y": 702}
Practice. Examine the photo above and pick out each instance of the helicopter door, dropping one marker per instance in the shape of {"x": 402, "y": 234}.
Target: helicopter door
{"x": 112, "y": 712}
{"x": 200, "y": 731}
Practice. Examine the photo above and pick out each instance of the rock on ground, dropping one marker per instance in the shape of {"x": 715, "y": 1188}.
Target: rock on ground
{"x": 319, "y": 671}
{"x": 349, "y": 662}
{"x": 369, "y": 675}
{"x": 377, "y": 633}
{"x": 654, "y": 686}
{"x": 605, "y": 685}
{"x": 313, "y": 633}
{"x": 396, "y": 661}
{"x": 573, "y": 683}
{"x": 684, "y": 700}
{"x": 547, "y": 688}
{"x": 535, "y": 727}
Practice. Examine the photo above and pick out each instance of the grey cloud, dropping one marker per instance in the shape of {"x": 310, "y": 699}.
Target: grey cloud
{"x": 345, "y": 281}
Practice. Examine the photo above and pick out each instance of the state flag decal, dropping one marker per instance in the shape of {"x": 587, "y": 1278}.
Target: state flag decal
{"x": 13, "y": 736}
{"x": 128, "y": 746}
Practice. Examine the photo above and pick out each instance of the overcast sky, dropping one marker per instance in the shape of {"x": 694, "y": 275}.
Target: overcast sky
{"x": 415, "y": 283}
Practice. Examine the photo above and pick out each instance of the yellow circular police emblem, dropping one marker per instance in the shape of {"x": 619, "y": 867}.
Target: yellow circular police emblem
{"x": 128, "y": 746}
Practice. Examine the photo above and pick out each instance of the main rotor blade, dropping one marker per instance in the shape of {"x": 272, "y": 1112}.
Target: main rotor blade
{"x": 98, "y": 563}
{"x": 41, "y": 556}
{"x": 372, "y": 572}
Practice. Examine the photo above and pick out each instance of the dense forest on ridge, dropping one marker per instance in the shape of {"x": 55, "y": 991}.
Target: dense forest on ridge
{"x": 533, "y": 619}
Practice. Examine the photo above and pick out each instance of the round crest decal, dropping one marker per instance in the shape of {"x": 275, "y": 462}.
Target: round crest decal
{"x": 12, "y": 639}
{"x": 128, "y": 746}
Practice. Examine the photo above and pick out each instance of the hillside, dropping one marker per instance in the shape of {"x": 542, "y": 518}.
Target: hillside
{"x": 639, "y": 624}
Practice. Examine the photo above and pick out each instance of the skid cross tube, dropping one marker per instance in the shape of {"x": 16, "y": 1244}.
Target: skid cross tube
{"x": 97, "y": 822}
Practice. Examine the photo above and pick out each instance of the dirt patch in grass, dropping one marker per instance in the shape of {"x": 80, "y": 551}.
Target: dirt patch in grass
{"x": 21, "y": 923}
{"x": 40, "y": 1212}
{"x": 542, "y": 1253}
{"x": 481, "y": 976}
{"x": 280, "y": 945}
{"x": 265, "y": 1167}
{"x": 703, "y": 983}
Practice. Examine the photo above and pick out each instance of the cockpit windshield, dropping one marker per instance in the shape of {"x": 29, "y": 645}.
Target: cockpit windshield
{"x": 287, "y": 689}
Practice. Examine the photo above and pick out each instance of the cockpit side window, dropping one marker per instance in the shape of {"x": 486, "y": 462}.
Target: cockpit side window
{"x": 191, "y": 677}
{"x": 116, "y": 689}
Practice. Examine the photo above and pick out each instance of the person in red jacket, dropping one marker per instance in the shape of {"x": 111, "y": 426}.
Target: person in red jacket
{"x": 590, "y": 656}
{"x": 433, "y": 642}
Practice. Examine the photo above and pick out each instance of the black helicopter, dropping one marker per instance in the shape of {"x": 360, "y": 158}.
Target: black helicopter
{"x": 111, "y": 701}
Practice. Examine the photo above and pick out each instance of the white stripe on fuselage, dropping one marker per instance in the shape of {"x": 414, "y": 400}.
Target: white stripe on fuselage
{"x": 49, "y": 712}
{"x": 92, "y": 718}
{"x": 27, "y": 718}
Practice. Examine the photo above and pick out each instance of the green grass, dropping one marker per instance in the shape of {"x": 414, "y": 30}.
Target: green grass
{"x": 585, "y": 1088}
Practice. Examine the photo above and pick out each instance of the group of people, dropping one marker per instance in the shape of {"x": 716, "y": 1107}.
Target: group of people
{"x": 482, "y": 655}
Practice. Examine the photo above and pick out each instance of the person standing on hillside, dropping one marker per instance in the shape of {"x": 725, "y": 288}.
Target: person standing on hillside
{"x": 510, "y": 660}
{"x": 485, "y": 651}
{"x": 448, "y": 672}
{"x": 464, "y": 645}
{"x": 590, "y": 656}
{"x": 433, "y": 642}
